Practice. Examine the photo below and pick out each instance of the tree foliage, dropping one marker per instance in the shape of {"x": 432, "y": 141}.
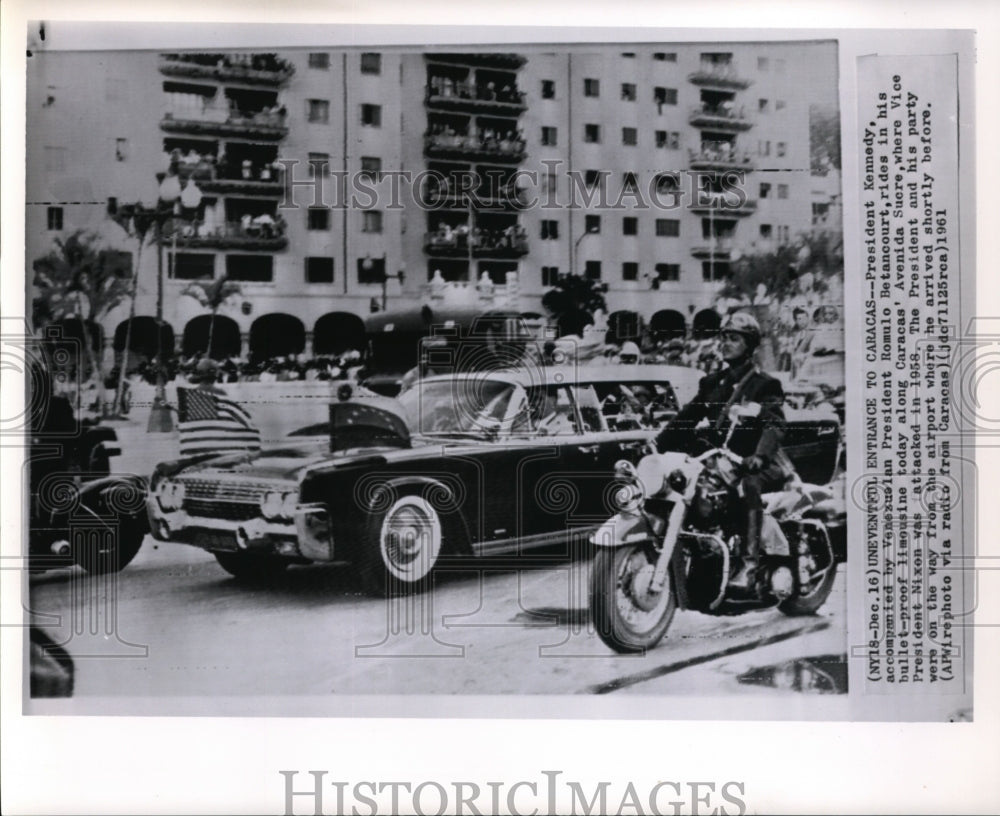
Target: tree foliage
{"x": 824, "y": 139}
{"x": 573, "y": 301}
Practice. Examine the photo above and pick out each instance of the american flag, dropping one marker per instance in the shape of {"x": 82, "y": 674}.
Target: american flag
{"x": 209, "y": 422}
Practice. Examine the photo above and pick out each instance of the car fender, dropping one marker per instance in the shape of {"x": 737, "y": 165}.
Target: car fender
{"x": 623, "y": 528}
{"x": 439, "y": 494}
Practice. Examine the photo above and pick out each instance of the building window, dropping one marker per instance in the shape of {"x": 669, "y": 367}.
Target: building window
{"x": 550, "y": 230}
{"x": 668, "y": 228}
{"x": 764, "y": 148}
{"x": 630, "y": 182}
{"x": 765, "y": 231}
{"x": 318, "y": 110}
{"x": 763, "y": 63}
{"x": 320, "y": 60}
{"x": 713, "y": 271}
{"x": 665, "y": 56}
{"x": 591, "y": 87}
{"x": 318, "y": 218}
{"x": 592, "y": 134}
{"x": 548, "y": 89}
{"x": 319, "y": 164}
{"x": 250, "y": 268}
{"x": 782, "y": 191}
{"x": 121, "y": 149}
{"x": 371, "y": 270}
{"x": 628, "y": 91}
{"x": 592, "y": 223}
{"x": 628, "y": 54}
{"x": 630, "y": 271}
{"x": 371, "y": 63}
{"x": 630, "y": 136}
{"x": 550, "y": 275}
{"x": 55, "y": 218}
{"x": 665, "y": 96}
{"x": 55, "y": 159}
{"x": 549, "y": 181}
{"x": 371, "y": 115}
{"x": 592, "y": 178}
{"x": 371, "y": 168}
{"x": 549, "y": 136}
{"x": 669, "y": 272}
{"x": 667, "y": 183}
{"x": 784, "y": 234}
{"x": 191, "y": 266}
{"x": 592, "y": 270}
{"x": 779, "y": 104}
{"x": 319, "y": 270}
{"x": 371, "y": 221}
{"x": 630, "y": 225}
{"x": 780, "y": 148}
{"x": 669, "y": 139}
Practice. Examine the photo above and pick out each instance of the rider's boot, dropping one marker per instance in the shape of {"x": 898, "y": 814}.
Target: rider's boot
{"x": 747, "y": 574}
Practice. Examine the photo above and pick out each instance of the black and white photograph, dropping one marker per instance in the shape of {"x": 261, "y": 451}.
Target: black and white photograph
{"x": 410, "y": 373}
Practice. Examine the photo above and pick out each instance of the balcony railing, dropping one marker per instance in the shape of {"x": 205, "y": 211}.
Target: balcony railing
{"x": 493, "y": 60}
{"x": 252, "y": 69}
{"x": 265, "y": 125}
{"x": 446, "y": 94}
{"x": 215, "y": 178}
{"x": 719, "y": 75}
{"x": 723, "y": 205}
{"x": 259, "y": 236}
{"x": 492, "y": 243}
{"x": 712, "y": 157}
{"x": 720, "y": 117}
{"x": 479, "y": 146}
{"x": 720, "y": 247}
{"x": 483, "y": 195}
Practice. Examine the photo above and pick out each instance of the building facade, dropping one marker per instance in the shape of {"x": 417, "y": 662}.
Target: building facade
{"x": 332, "y": 183}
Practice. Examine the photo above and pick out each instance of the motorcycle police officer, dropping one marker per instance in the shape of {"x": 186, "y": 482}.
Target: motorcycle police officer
{"x": 756, "y": 439}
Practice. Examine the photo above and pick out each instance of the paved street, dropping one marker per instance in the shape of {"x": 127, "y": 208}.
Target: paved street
{"x": 174, "y": 623}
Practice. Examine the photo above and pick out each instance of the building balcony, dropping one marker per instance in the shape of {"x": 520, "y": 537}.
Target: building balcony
{"x": 483, "y": 196}
{"x": 264, "y": 125}
{"x": 719, "y": 75}
{"x": 717, "y": 158}
{"x": 722, "y": 205}
{"x": 476, "y": 148}
{"x": 250, "y": 69}
{"x": 715, "y": 248}
{"x": 211, "y": 178}
{"x": 252, "y": 237}
{"x": 485, "y": 244}
{"x": 487, "y": 60}
{"x": 443, "y": 94}
{"x": 720, "y": 117}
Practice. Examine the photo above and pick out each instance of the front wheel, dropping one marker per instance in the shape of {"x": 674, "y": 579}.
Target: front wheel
{"x": 112, "y": 551}
{"x": 403, "y": 547}
{"x": 628, "y": 616}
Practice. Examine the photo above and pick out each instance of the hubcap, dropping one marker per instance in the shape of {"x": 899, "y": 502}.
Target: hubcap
{"x": 410, "y": 539}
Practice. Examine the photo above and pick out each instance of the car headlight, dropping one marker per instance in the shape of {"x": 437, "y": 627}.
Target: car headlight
{"x": 170, "y": 494}
{"x": 289, "y": 502}
{"x": 271, "y": 504}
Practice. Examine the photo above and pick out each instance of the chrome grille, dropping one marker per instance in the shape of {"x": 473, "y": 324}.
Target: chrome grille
{"x": 232, "y": 501}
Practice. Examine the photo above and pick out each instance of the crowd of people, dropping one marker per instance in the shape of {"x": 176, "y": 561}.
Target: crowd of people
{"x": 486, "y": 91}
{"x": 484, "y": 139}
{"x": 461, "y": 237}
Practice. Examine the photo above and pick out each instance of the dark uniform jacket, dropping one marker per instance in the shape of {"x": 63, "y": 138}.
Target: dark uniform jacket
{"x": 709, "y": 412}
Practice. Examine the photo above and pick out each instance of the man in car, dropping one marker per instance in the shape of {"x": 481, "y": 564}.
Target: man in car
{"x": 756, "y": 439}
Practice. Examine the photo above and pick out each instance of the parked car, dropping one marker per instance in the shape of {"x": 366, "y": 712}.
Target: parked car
{"x": 465, "y": 464}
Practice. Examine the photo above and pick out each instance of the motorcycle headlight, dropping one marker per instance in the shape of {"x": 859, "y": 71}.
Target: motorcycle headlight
{"x": 271, "y": 504}
{"x": 628, "y": 497}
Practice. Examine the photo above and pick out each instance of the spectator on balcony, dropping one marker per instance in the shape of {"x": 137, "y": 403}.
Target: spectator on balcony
{"x": 265, "y": 224}
{"x": 247, "y": 167}
{"x": 489, "y": 93}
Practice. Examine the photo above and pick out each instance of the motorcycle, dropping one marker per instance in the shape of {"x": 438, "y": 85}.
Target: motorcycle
{"x": 676, "y": 542}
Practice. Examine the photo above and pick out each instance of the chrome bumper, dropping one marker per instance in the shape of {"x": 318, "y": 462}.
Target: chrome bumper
{"x": 308, "y": 534}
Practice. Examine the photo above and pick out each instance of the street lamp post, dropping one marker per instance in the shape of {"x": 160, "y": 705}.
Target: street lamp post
{"x": 137, "y": 219}
{"x": 368, "y": 264}
{"x": 575, "y": 259}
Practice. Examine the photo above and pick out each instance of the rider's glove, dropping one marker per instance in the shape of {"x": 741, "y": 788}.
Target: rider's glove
{"x": 753, "y": 464}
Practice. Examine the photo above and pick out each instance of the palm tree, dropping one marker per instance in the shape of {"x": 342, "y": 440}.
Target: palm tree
{"x": 79, "y": 280}
{"x": 212, "y": 295}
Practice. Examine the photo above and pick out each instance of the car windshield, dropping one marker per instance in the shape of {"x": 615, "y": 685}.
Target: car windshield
{"x": 466, "y": 406}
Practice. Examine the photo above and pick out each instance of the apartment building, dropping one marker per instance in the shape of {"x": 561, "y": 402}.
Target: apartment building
{"x": 332, "y": 183}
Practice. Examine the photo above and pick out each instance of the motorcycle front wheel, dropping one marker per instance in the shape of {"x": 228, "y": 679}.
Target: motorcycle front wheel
{"x": 628, "y": 616}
